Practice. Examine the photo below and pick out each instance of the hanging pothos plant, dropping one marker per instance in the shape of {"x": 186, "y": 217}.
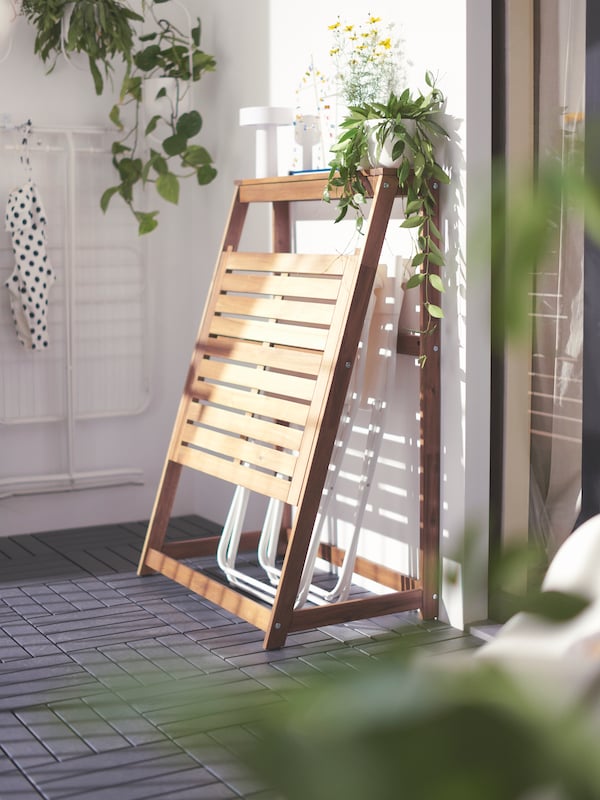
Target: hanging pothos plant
{"x": 407, "y": 125}
{"x": 157, "y": 151}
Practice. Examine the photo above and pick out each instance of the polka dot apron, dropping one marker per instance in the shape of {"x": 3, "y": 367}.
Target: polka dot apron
{"x": 32, "y": 276}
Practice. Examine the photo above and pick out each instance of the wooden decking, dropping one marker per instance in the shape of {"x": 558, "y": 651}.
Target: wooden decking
{"x": 122, "y": 687}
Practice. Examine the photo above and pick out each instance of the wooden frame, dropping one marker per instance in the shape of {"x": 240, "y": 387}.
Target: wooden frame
{"x": 263, "y": 399}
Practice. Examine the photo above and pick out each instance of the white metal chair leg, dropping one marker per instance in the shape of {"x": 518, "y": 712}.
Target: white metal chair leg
{"x": 232, "y": 530}
{"x": 269, "y": 539}
{"x": 267, "y": 547}
{"x": 374, "y": 438}
{"x": 377, "y": 407}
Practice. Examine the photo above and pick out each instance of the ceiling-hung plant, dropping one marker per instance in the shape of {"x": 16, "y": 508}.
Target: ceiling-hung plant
{"x": 163, "y": 153}
{"x": 160, "y": 150}
{"x": 100, "y": 29}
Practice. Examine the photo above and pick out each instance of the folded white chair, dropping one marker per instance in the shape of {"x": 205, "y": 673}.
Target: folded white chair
{"x": 371, "y": 378}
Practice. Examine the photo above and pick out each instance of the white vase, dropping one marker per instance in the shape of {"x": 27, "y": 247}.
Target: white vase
{"x": 380, "y": 155}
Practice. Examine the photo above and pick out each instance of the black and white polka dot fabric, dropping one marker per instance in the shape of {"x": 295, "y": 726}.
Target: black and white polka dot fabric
{"x": 32, "y": 276}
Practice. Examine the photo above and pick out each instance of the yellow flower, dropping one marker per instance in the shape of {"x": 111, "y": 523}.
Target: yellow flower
{"x": 334, "y": 51}
{"x": 386, "y": 44}
{"x": 373, "y": 20}
{"x": 334, "y": 26}
{"x": 349, "y": 28}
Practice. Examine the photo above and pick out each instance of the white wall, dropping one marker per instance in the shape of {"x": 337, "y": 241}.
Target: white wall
{"x": 262, "y": 49}
{"x": 180, "y": 259}
{"x": 455, "y": 45}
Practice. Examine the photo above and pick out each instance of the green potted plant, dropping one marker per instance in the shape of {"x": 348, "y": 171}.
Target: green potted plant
{"x": 163, "y": 152}
{"x": 404, "y": 130}
{"x": 157, "y": 151}
{"x": 101, "y": 29}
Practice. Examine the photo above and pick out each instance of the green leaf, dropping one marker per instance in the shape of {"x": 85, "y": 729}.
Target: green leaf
{"x": 433, "y": 248}
{"x": 412, "y": 222}
{"x": 438, "y": 172}
{"x": 115, "y": 117}
{"x": 98, "y": 82}
{"x": 403, "y": 172}
{"x": 147, "y": 221}
{"x": 167, "y": 185}
{"x": 106, "y": 197}
{"x": 119, "y": 147}
{"x": 133, "y": 87}
{"x": 151, "y": 126}
{"x": 415, "y": 280}
{"x": 148, "y": 58}
{"x": 419, "y": 164}
{"x": 129, "y": 169}
{"x": 159, "y": 164}
{"x": 435, "y": 259}
{"x": 195, "y": 32}
{"x": 205, "y": 174}
{"x": 436, "y": 282}
{"x": 194, "y": 156}
{"x": 189, "y": 124}
{"x": 413, "y": 207}
{"x": 433, "y": 229}
{"x": 174, "y": 145}
{"x": 434, "y": 311}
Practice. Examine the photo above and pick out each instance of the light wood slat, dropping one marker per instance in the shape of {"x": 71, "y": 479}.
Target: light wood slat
{"x": 207, "y": 546}
{"x": 260, "y": 379}
{"x": 251, "y": 427}
{"x": 281, "y": 357}
{"x": 379, "y": 573}
{"x": 360, "y": 608}
{"x": 275, "y": 308}
{"x": 316, "y": 288}
{"x": 261, "y": 482}
{"x": 212, "y": 590}
{"x": 263, "y": 405}
{"x": 289, "y": 263}
{"x": 272, "y": 332}
{"x": 286, "y": 189}
{"x": 324, "y": 385}
{"x": 258, "y": 455}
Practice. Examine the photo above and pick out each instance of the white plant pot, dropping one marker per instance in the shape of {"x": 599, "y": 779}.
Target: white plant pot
{"x": 381, "y": 155}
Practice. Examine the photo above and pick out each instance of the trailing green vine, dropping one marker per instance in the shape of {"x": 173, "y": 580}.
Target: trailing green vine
{"x": 410, "y": 122}
{"x": 160, "y": 151}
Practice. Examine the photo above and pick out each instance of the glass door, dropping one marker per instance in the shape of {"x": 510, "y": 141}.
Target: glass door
{"x": 538, "y": 100}
{"x": 557, "y": 290}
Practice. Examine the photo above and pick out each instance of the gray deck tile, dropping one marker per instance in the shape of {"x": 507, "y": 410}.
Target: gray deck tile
{"x": 49, "y": 692}
{"x": 118, "y": 687}
{"x": 128, "y": 781}
{"x": 29, "y": 668}
{"x": 15, "y": 786}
